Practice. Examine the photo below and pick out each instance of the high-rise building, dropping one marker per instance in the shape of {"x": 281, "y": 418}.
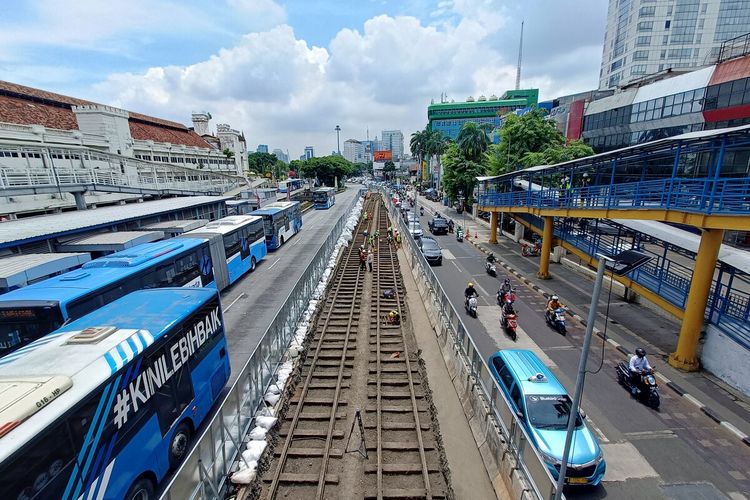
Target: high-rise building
{"x": 393, "y": 141}
{"x": 281, "y": 155}
{"x": 354, "y": 151}
{"x": 262, "y": 148}
{"x": 309, "y": 152}
{"x": 647, "y": 37}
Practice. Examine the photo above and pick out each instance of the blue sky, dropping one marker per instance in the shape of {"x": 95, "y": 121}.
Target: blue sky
{"x": 286, "y": 72}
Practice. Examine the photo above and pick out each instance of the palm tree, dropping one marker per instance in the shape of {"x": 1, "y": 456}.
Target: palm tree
{"x": 418, "y": 145}
{"x": 473, "y": 141}
{"x": 436, "y": 145}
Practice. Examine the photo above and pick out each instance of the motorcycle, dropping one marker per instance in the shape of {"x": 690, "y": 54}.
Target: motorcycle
{"x": 646, "y": 391}
{"x": 490, "y": 268}
{"x": 421, "y": 212}
{"x": 531, "y": 250}
{"x": 460, "y": 235}
{"x": 504, "y": 296}
{"x": 470, "y": 304}
{"x": 556, "y": 319}
{"x": 509, "y": 320}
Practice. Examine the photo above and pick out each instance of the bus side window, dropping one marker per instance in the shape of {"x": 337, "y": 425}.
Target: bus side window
{"x": 186, "y": 268}
{"x": 42, "y": 469}
{"x": 175, "y": 394}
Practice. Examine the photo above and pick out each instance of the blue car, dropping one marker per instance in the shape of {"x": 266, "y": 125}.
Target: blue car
{"x": 543, "y": 405}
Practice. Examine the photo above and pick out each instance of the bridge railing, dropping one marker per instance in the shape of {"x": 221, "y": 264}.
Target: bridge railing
{"x": 203, "y": 475}
{"x": 37, "y": 167}
{"x": 709, "y": 196}
{"x": 529, "y": 464}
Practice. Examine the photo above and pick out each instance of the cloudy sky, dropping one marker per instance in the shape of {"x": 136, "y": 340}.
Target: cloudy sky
{"x": 287, "y": 72}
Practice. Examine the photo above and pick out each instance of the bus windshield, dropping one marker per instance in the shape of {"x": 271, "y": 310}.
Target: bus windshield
{"x": 22, "y": 325}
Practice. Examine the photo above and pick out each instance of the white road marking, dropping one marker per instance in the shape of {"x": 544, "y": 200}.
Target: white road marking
{"x": 693, "y": 400}
{"x": 234, "y": 302}
{"x": 624, "y": 461}
{"x": 275, "y": 262}
{"x": 598, "y": 431}
{"x": 734, "y": 430}
{"x": 454, "y": 263}
{"x": 447, "y": 254}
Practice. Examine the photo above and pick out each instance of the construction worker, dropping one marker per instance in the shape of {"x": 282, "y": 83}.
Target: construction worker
{"x": 394, "y": 318}
{"x": 370, "y": 259}
{"x": 362, "y": 258}
{"x": 398, "y": 240}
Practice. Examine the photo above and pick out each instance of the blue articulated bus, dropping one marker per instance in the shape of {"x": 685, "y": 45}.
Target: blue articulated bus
{"x": 105, "y": 407}
{"x": 281, "y": 220}
{"x": 31, "y": 312}
{"x": 240, "y": 242}
{"x": 324, "y": 198}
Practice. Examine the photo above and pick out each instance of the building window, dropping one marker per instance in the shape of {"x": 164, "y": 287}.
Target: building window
{"x": 661, "y": 67}
{"x": 663, "y": 55}
{"x": 640, "y": 55}
{"x": 643, "y": 40}
{"x": 617, "y": 64}
{"x": 665, "y": 39}
{"x": 638, "y": 69}
{"x": 696, "y": 53}
{"x": 645, "y": 26}
{"x": 647, "y": 11}
{"x": 698, "y": 38}
{"x": 703, "y": 8}
{"x": 679, "y": 53}
{"x": 701, "y": 23}
{"x": 669, "y": 10}
{"x": 667, "y": 23}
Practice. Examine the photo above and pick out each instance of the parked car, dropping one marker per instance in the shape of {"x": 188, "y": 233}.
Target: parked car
{"x": 438, "y": 226}
{"x": 431, "y": 251}
{"x": 415, "y": 229}
{"x": 542, "y": 405}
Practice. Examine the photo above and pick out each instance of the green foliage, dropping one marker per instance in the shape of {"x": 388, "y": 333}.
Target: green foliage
{"x": 228, "y": 153}
{"x": 460, "y": 174}
{"x": 262, "y": 162}
{"x": 388, "y": 168}
{"x": 326, "y": 168}
{"x": 473, "y": 141}
{"x": 361, "y": 168}
{"x": 530, "y": 140}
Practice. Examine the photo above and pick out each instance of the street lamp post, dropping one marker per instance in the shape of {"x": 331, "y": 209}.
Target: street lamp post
{"x": 620, "y": 264}
{"x": 338, "y": 144}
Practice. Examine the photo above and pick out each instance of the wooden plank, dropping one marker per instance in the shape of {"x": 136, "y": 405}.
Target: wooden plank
{"x": 288, "y": 477}
{"x": 401, "y": 468}
{"x": 311, "y": 452}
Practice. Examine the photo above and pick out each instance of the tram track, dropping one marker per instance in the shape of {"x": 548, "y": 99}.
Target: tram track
{"x": 359, "y": 422}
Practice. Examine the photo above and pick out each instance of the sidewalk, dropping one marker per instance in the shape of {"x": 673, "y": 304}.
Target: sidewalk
{"x": 721, "y": 403}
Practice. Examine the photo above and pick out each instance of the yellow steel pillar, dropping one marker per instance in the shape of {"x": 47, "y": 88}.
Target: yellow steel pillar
{"x": 685, "y": 357}
{"x": 543, "y": 272}
{"x": 493, "y": 227}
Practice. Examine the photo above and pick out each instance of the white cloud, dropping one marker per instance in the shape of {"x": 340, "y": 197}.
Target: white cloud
{"x": 286, "y": 93}
{"x": 258, "y": 13}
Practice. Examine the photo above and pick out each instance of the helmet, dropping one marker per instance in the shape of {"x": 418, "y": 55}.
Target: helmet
{"x": 507, "y": 281}
{"x": 470, "y": 284}
{"x": 554, "y": 297}
{"x": 640, "y": 352}
{"x": 585, "y": 175}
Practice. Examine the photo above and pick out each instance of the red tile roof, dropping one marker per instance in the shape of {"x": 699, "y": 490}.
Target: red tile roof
{"x": 30, "y": 106}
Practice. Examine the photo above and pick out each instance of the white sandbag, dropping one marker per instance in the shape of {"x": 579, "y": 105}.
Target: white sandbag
{"x": 265, "y": 422}
{"x": 258, "y": 433}
{"x": 273, "y": 389}
{"x": 254, "y": 450}
{"x": 245, "y": 476}
{"x": 272, "y": 399}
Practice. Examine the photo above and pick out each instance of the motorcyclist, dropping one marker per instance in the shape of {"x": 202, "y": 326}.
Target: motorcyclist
{"x": 491, "y": 258}
{"x": 638, "y": 366}
{"x": 552, "y": 304}
{"x": 470, "y": 291}
{"x": 421, "y": 211}
{"x": 450, "y": 226}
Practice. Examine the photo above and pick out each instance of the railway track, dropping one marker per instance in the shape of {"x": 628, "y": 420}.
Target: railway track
{"x": 358, "y": 424}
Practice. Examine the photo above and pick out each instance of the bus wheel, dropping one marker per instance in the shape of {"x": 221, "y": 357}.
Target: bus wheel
{"x": 143, "y": 489}
{"x": 282, "y": 241}
{"x": 252, "y": 264}
{"x": 179, "y": 445}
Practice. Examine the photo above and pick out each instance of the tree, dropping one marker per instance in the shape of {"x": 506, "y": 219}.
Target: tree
{"x": 436, "y": 145}
{"x": 327, "y": 168}
{"x": 473, "y": 141}
{"x": 418, "y": 144}
{"x": 388, "y": 169}
{"x": 460, "y": 174}
{"x": 262, "y": 162}
{"x": 228, "y": 153}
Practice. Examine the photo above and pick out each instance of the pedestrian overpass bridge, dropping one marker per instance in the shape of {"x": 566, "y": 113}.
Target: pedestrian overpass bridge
{"x": 699, "y": 179}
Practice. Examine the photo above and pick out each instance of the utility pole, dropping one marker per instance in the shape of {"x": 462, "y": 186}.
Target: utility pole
{"x": 520, "y": 53}
{"x": 338, "y": 144}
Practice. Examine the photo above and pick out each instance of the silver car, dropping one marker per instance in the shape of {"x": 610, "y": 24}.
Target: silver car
{"x": 415, "y": 229}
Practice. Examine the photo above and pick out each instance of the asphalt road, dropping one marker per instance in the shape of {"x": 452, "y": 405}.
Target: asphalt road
{"x": 677, "y": 452}
{"x": 252, "y": 302}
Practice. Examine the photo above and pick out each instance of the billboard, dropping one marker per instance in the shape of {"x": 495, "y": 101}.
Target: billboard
{"x": 383, "y": 155}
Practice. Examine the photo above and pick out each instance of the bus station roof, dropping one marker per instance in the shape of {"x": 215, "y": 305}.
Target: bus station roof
{"x": 177, "y": 226}
{"x": 18, "y": 270}
{"x": 110, "y": 242}
{"x": 30, "y": 229}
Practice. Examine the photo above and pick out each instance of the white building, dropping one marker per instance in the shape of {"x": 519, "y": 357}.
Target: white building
{"x": 309, "y": 153}
{"x": 354, "y": 151}
{"x": 393, "y": 141}
{"x": 648, "y": 36}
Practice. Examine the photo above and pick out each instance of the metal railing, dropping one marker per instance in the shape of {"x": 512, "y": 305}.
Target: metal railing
{"x": 708, "y": 196}
{"x": 24, "y": 167}
{"x": 735, "y": 47}
{"x": 203, "y": 475}
{"x": 529, "y": 463}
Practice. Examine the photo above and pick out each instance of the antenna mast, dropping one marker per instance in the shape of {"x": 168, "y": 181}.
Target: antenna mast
{"x": 520, "y": 53}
